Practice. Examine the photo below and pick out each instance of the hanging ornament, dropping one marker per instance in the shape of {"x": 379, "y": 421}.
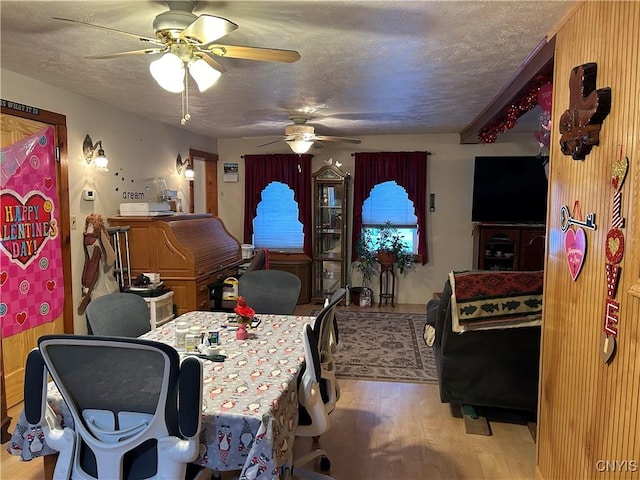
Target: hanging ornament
{"x": 575, "y": 240}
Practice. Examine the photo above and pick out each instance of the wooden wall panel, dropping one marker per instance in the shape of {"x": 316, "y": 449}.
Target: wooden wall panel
{"x": 589, "y": 413}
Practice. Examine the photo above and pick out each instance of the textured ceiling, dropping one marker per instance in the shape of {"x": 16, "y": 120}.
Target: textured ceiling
{"x": 366, "y": 67}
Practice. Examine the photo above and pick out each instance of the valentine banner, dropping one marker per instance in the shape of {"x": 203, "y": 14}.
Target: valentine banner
{"x": 31, "y": 276}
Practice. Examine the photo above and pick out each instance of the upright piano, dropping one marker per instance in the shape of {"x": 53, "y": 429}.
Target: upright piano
{"x": 189, "y": 251}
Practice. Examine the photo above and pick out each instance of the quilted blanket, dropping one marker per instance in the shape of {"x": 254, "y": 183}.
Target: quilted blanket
{"x": 483, "y": 300}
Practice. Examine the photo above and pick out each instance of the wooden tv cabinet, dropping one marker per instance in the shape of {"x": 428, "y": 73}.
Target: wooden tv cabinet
{"x": 508, "y": 246}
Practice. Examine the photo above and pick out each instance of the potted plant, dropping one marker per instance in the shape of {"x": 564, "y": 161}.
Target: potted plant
{"x": 390, "y": 249}
{"x": 366, "y": 264}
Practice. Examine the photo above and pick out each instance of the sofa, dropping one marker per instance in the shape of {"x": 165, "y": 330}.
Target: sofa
{"x": 491, "y": 358}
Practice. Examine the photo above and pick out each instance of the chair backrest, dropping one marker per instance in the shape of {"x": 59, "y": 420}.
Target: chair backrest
{"x": 259, "y": 261}
{"x": 270, "y": 291}
{"x": 313, "y": 419}
{"x": 136, "y": 409}
{"x": 118, "y": 314}
{"x": 325, "y": 330}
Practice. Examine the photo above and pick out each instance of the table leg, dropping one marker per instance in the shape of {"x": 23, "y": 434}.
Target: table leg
{"x": 49, "y": 465}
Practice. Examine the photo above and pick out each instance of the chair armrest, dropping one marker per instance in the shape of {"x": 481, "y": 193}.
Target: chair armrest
{"x": 190, "y": 397}
{"x": 433, "y": 306}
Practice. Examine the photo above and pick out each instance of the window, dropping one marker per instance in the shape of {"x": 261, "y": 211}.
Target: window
{"x": 276, "y": 225}
{"x": 389, "y": 202}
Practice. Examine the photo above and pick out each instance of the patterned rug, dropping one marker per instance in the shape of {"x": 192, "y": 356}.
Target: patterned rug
{"x": 384, "y": 346}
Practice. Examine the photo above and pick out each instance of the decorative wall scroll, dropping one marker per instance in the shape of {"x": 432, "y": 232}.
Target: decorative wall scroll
{"x": 575, "y": 240}
{"x": 580, "y": 124}
{"x": 614, "y": 251}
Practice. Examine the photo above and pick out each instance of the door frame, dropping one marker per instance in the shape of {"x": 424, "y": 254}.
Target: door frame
{"x": 210, "y": 182}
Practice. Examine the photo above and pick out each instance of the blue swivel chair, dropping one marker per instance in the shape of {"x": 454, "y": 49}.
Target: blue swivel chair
{"x": 270, "y": 291}
{"x": 118, "y": 315}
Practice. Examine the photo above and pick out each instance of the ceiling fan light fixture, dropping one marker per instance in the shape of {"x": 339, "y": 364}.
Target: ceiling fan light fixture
{"x": 300, "y": 146}
{"x": 204, "y": 74}
{"x": 168, "y": 71}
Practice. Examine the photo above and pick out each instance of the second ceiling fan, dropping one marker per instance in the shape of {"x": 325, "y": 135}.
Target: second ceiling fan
{"x": 300, "y": 136}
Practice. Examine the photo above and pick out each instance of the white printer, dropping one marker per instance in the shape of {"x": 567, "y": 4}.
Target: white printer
{"x": 145, "y": 209}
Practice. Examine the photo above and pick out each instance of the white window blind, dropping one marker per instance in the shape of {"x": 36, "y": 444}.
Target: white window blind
{"x": 389, "y": 202}
{"x": 276, "y": 225}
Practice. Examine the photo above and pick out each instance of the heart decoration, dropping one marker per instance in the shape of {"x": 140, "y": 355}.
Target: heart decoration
{"x": 575, "y": 247}
{"x": 51, "y": 285}
{"x": 21, "y": 317}
{"x": 619, "y": 169}
{"x": 3, "y": 277}
{"x": 607, "y": 347}
{"x": 33, "y": 214}
{"x": 614, "y": 246}
{"x": 48, "y": 183}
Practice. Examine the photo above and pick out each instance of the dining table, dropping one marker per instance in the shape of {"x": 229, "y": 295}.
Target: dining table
{"x": 249, "y": 400}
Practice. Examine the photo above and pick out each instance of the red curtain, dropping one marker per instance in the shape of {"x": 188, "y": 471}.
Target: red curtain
{"x": 291, "y": 169}
{"x": 407, "y": 169}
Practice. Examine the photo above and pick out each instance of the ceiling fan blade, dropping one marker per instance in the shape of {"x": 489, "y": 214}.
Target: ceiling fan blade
{"x": 147, "y": 51}
{"x": 254, "y": 53}
{"x": 113, "y": 30}
{"x": 207, "y": 28}
{"x": 270, "y": 143}
{"x": 262, "y": 137}
{"x": 328, "y": 138}
{"x": 212, "y": 63}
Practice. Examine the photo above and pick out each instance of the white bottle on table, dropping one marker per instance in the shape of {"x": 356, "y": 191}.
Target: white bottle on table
{"x": 182, "y": 328}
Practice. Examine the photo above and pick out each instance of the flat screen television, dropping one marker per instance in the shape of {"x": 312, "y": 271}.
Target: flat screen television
{"x": 509, "y": 190}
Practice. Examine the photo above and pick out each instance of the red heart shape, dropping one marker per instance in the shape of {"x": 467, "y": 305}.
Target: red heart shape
{"x": 51, "y": 285}
{"x": 575, "y": 246}
{"x": 614, "y": 246}
{"x": 26, "y": 224}
{"x": 3, "y": 277}
{"x": 48, "y": 183}
{"x": 21, "y": 318}
{"x": 619, "y": 169}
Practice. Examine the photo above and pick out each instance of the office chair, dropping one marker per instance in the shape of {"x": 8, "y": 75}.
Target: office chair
{"x": 313, "y": 419}
{"x": 325, "y": 329}
{"x": 270, "y": 291}
{"x": 259, "y": 261}
{"x": 119, "y": 315}
{"x": 136, "y": 409}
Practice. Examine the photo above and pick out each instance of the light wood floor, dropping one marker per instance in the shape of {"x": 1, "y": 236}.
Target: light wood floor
{"x": 389, "y": 431}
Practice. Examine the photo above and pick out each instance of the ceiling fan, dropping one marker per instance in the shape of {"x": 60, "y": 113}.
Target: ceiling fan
{"x": 300, "y": 136}
{"x": 187, "y": 39}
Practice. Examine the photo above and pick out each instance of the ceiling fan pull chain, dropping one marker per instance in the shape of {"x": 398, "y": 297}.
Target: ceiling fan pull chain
{"x": 185, "y": 100}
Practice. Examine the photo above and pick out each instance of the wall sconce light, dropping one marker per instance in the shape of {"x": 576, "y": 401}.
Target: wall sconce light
{"x": 89, "y": 149}
{"x": 184, "y": 165}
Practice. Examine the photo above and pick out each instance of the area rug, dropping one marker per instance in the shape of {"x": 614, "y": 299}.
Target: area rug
{"x": 384, "y": 346}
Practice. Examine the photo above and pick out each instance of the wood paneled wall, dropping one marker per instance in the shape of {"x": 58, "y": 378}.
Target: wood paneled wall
{"x": 589, "y": 411}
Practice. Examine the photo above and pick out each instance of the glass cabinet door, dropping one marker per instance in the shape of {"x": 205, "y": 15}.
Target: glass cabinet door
{"x": 329, "y": 231}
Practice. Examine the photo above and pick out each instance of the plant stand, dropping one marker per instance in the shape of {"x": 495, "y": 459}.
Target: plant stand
{"x": 387, "y": 285}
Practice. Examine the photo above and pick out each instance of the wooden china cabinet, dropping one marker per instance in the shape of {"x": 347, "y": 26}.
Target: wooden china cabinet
{"x": 330, "y": 209}
{"x": 508, "y": 246}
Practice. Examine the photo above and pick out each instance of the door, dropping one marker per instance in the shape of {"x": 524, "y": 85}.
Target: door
{"x": 207, "y": 201}
{"x": 16, "y": 126}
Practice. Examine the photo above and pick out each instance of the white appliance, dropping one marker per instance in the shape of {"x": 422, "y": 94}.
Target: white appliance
{"x": 145, "y": 209}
